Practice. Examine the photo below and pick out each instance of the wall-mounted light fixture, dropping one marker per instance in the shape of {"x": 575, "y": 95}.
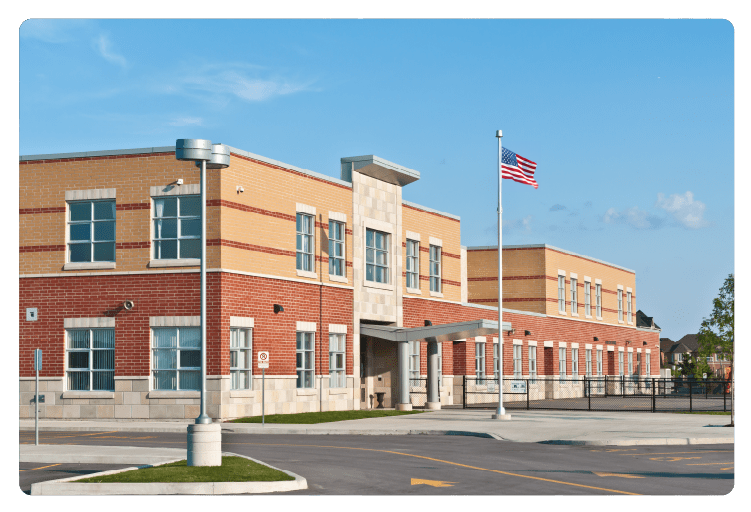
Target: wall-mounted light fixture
{"x": 644, "y": 342}
{"x": 179, "y": 181}
{"x": 527, "y": 333}
{"x": 597, "y": 339}
{"x": 428, "y": 323}
{"x": 240, "y": 189}
{"x": 512, "y": 331}
{"x": 278, "y": 308}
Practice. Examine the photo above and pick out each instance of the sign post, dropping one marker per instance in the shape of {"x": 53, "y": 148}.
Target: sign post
{"x": 37, "y": 367}
{"x": 263, "y": 363}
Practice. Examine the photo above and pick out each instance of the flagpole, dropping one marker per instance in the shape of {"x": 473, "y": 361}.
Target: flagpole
{"x": 500, "y": 413}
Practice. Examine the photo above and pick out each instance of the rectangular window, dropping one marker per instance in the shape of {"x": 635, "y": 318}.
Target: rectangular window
{"x": 588, "y": 356}
{"x": 305, "y": 359}
{"x": 336, "y": 360}
{"x": 440, "y": 364}
{"x": 517, "y": 361}
{"x": 574, "y": 296}
{"x": 480, "y": 361}
{"x": 638, "y": 363}
{"x": 649, "y": 365}
{"x": 413, "y": 264}
{"x": 91, "y": 360}
{"x": 574, "y": 362}
{"x": 532, "y": 361}
{"x": 598, "y": 299}
{"x": 240, "y": 358}
{"x": 620, "y": 305}
{"x": 599, "y": 362}
{"x": 91, "y": 231}
{"x": 562, "y": 363}
{"x": 496, "y": 367}
{"x": 628, "y": 304}
{"x": 336, "y": 248}
{"x": 376, "y": 256}
{"x": 176, "y": 358}
{"x": 177, "y": 227}
{"x": 305, "y": 242}
{"x": 620, "y": 363}
{"x": 587, "y": 298}
{"x": 414, "y": 363}
{"x": 435, "y": 268}
{"x": 561, "y": 294}
{"x": 630, "y": 363}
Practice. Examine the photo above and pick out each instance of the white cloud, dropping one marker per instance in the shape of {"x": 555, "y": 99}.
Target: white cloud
{"x": 104, "y": 46}
{"x": 634, "y": 217}
{"x": 186, "y": 121}
{"x": 52, "y": 31}
{"x": 684, "y": 209}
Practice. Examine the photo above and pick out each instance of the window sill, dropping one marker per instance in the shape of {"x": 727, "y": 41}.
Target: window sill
{"x": 306, "y": 391}
{"x": 168, "y": 393}
{"x": 587, "y": 316}
{"x": 599, "y": 318}
{"x": 242, "y": 393}
{"x": 562, "y": 313}
{"x": 338, "y": 391}
{"x": 88, "y": 394}
{"x": 620, "y": 321}
{"x": 380, "y": 286}
{"x": 414, "y": 290}
{"x": 89, "y": 265}
{"x": 575, "y": 314}
{"x": 338, "y": 279}
{"x": 184, "y": 262}
{"x": 305, "y": 273}
{"x": 436, "y": 294}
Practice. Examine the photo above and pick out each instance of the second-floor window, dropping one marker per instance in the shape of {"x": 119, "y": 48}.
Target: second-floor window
{"x": 587, "y": 298}
{"x": 620, "y": 305}
{"x": 628, "y": 305}
{"x": 336, "y": 248}
{"x": 91, "y": 231}
{"x": 177, "y": 227}
{"x": 376, "y": 256}
{"x": 561, "y": 294}
{"x": 574, "y": 296}
{"x": 305, "y": 243}
{"x": 435, "y": 268}
{"x": 598, "y": 299}
{"x": 413, "y": 264}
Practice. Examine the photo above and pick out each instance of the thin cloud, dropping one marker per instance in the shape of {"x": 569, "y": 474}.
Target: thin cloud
{"x": 52, "y": 31}
{"x": 524, "y": 223}
{"x": 186, "y": 121}
{"x": 684, "y": 209}
{"x": 633, "y": 217}
{"x": 104, "y": 47}
{"x": 557, "y": 207}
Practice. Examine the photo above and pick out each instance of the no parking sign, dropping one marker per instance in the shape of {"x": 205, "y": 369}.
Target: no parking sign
{"x": 263, "y": 359}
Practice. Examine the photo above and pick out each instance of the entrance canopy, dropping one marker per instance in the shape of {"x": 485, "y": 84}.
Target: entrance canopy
{"x": 444, "y": 332}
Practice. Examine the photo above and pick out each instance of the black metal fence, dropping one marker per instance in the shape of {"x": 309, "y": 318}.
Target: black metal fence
{"x": 606, "y": 393}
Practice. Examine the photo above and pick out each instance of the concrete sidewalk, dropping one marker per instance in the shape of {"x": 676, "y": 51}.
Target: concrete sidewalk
{"x": 558, "y": 427}
{"x": 94, "y": 454}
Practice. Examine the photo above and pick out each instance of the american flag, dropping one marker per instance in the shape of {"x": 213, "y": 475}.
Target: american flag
{"x": 518, "y": 168}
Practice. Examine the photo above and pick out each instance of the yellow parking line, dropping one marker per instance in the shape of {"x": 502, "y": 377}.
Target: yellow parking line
{"x": 43, "y": 467}
{"x": 711, "y": 464}
{"x": 679, "y": 453}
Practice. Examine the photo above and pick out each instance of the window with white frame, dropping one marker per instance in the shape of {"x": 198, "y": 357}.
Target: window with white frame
{"x": 517, "y": 361}
{"x": 574, "y": 362}
{"x": 91, "y": 231}
{"x": 91, "y": 359}
{"x": 620, "y": 305}
{"x": 305, "y": 359}
{"x": 599, "y": 362}
{"x": 562, "y": 363}
{"x": 630, "y": 363}
{"x": 638, "y": 363}
{"x": 337, "y": 265}
{"x": 496, "y": 367}
{"x": 628, "y": 305}
{"x": 533, "y": 361}
{"x": 588, "y": 358}
{"x": 440, "y": 364}
{"x": 176, "y": 358}
{"x": 587, "y": 298}
{"x": 435, "y": 268}
{"x": 574, "y": 296}
{"x": 598, "y": 299}
{"x": 561, "y": 294}
{"x": 376, "y": 256}
{"x": 305, "y": 242}
{"x": 336, "y": 360}
{"x": 620, "y": 363}
{"x": 414, "y": 363}
{"x": 413, "y": 264}
{"x": 177, "y": 227}
{"x": 649, "y": 364}
{"x": 240, "y": 357}
{"x": 480, "y": 361}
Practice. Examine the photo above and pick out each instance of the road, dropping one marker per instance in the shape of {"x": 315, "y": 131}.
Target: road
{"x": 434, "y": 465}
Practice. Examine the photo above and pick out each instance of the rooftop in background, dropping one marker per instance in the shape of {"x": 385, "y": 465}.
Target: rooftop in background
{"x": 645, "y": 321}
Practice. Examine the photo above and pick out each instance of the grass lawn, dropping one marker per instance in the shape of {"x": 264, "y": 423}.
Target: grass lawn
{"x": 322, "y": 417}
{"x": 704, "y": 412}
{"x": 233, "y": 469}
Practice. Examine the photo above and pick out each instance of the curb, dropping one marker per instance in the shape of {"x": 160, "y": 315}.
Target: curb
{"x": 645, "y": 441}
{"x": 67, "y": 487}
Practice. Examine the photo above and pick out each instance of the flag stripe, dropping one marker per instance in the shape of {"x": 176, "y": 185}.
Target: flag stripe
{"x": 518, "y": 168}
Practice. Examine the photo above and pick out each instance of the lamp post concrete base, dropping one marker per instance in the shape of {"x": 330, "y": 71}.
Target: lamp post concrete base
{"x": 403, "y": 407}
{"x": 435, "y": 406}
{"x": 205, "y": 444}
{"x": 501, "y": 416}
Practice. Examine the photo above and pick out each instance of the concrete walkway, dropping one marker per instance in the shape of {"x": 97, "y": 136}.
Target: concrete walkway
{"x": 93, "y": 454}
{"x": 559, "y": 427}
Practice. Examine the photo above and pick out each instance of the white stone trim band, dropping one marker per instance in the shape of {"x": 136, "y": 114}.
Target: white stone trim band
{"x": 93, "y": 323}
{"x": 241, "y": 321}
{"x": 83, "y": 195}
{"x": 174, "y": 321}
{"x": 338, "y": 328}
{"x": 306, "y": 326}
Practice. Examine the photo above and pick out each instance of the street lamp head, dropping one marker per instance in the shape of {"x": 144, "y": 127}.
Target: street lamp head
{"x": 219, "y": 157}
{"x": 193, "y": 149}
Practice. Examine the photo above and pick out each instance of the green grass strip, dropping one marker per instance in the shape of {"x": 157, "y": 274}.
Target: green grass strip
{"x": 233, "y": 469}
{"x": 322, "y": 417}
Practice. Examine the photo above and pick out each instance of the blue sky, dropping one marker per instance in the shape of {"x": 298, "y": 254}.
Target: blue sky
{"x": 630, "y": 122}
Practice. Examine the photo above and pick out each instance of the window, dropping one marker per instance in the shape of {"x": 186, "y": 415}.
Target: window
{"x": 574, "y": 362}
{"x": 305, "y": 359}
{"x": 677, "y": 357}
{"x": 177, "y": 358}
{"x": 638, "y": 363}
{"x": 414, "y": 363}
{"x": 628, "y": 304}
{"x": 91, "y": 231}
{"x": 435, "y": 268}
{"x": 336, "y": 360}
{"x": 305, "y": 242}
{"x": 561, "y": 294}
{"x": 376, "y": 256}
{"x": 562, "y": 363}
{"x": 630, "y": 363}
{"x": 620, "y": 364}
{"x": 620, "y": 305}
{"x": 336, "y": 248}
{"x": 177, "y": 227}
{"x": 574, "y": 296}
{"x": 588, "y": 356}
{"x": 496, "y": 367}
{"x": 480, "y": 361}
{"x": 413, "y": 264}
{"x": 598, "y": 299}
{"x": 517, "y": 361}
{"x": 240, "y": 358}
{"x": 587, "y": 299}
{"x": 440, "y": 364}
{"x": 649, "y": 365}
{"x": 91, "y": 360}
{"x": 599, "y": 362}
{"x": 532, "y": 361}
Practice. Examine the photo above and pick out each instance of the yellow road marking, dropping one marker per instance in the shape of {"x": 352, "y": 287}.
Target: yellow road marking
{"x": 710, "y": 464}
{"x": 673, "y": 459}
{"x": 678, "y": 453}
{"x": 617, "y": 450}
{"x": 432, "y": 483}
{"x": 622, "y": 475}
{"x": 725, "y": 469}
{"x": 449, "y": 462}
{"x": 43, "y": 467}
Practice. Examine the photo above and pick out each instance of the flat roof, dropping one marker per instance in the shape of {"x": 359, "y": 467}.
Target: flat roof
{"x": 546, "y": 246}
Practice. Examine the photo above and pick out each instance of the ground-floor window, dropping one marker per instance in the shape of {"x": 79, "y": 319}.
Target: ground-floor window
{"x": 532, "y": 362}
{"x": 414, "y": 363}
{"x": 305, "y": 359}
{"x": 631, "y": 363}
{"x": 562, "y": 363}
{"x": 517, "y": 361}
{"x": 599, "y": 363}
{"x": 649, "y": 369}
{"x": 91, "y": 359}
{"x": 479, "y": 361}
{"x": 336, "y": 360}
{"x": 440, "y": 364}
{"x": 620, "y": 364}
{"x": 177, "y": 358}
{"x": 588, "y": 356}
{"x": 574, "y": 362}
{"x": 240, "y": 358}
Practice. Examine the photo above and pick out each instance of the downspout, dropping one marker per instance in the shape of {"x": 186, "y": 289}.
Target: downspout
{"x": 320, "y": 316}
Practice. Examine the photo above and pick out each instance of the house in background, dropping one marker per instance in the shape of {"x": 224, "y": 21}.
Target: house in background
{"x": 672, "y": 353}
